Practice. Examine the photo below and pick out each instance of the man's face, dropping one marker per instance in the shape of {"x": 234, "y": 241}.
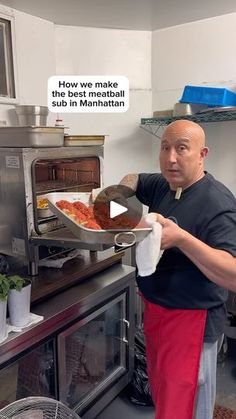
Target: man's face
{"x": 181, "y": 157}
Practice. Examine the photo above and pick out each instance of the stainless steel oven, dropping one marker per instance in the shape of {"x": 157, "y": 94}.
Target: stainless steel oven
{"x": 29, "y": 173}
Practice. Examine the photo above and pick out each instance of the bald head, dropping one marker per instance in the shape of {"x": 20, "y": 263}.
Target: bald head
{"x": 182, "y": 153}
{"x": 183, "y": 127}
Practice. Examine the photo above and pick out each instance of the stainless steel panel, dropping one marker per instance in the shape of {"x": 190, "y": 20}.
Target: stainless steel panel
{"x": 31, "y": 136}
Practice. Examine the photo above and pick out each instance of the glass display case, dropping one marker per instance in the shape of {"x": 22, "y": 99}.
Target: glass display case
{"x": 93, "y": 353}
{"x": 32, "y": 374}
{"x": 82, "y": 353}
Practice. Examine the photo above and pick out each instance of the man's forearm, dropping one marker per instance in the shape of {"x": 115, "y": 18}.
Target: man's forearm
{"x": 218, "y": 265}
{"x": 125, "y": 189}
{"x": 131, "y": 181}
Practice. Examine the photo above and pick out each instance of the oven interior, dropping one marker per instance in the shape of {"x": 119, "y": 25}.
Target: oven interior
{"x": 78, "y": 174}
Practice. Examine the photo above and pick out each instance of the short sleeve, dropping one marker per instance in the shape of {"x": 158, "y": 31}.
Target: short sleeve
{"x": 220, "y": 233}
{"x": 148, "y": 187}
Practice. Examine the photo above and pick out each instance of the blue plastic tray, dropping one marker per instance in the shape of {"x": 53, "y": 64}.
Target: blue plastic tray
{"x": 211, "y": 96}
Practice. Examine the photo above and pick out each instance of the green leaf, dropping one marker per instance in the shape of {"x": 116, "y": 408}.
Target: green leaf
{"x": 16, "y": 282}
{"x": 4, "y": 287}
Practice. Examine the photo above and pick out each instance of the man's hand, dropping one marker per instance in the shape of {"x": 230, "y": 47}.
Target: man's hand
{"x": 217, "y": 265}
{"x": 172, "y": 234}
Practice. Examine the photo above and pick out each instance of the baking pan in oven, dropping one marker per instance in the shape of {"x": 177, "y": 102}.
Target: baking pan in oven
{"x": 122, "y": 237}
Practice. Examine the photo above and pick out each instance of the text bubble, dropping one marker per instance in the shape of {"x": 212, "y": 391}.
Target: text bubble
{"x": 88, "y": 94}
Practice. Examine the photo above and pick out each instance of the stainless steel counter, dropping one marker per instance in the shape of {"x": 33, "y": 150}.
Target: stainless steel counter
{"x": 62, "y": 309}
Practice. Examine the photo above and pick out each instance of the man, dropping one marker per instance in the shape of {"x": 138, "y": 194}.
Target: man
{"x": 184, "y": 298}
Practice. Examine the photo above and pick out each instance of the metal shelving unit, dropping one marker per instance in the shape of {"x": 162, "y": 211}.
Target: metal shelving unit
{"x": 153, "y": 125}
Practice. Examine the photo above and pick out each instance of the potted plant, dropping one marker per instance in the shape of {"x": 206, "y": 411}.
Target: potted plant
{"x": 4, "y": 289}
{"x": 19, "y": 300}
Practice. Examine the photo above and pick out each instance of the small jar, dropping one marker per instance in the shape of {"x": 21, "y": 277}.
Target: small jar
{"x": 59, "y": 123}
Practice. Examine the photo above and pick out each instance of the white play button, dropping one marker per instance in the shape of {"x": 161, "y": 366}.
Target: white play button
{"x": 116, "y": 209}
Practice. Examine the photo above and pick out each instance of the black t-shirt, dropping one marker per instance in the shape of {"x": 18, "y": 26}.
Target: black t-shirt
{"x": 207, "y": 210}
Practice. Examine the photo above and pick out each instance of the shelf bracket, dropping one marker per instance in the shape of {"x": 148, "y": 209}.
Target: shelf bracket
{"x": 152, "y": 129}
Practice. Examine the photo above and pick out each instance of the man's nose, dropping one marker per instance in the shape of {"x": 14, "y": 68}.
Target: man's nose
{"x": 172, "y": 156}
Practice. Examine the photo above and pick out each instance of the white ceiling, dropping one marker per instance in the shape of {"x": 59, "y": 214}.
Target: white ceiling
{"x": 124, "y": 14}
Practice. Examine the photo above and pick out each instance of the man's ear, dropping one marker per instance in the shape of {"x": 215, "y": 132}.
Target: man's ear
{"x": 204, "y": 152}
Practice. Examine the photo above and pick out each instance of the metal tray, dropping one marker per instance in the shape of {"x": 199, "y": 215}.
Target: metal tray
{"x": 31, "y": 136}
{"x": 121, "y": 237}
{"x": 219, "y": 109}
{"x": 85, "y": 140}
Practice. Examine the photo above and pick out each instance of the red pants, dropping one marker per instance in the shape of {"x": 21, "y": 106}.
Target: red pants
{"x": 174, "y": 341}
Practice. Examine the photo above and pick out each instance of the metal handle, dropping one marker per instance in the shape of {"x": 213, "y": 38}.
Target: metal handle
{"x": 124, "y": 340}
{"x": 125, "y": 336}
{"x": 126, "y": 239}
{"x": 126, "y": 322}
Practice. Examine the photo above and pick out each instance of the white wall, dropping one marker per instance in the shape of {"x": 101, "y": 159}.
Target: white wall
{"x": 35, "y": 55}
{"x": 44, "y": 49}
{"x": 199, "y": 53}
{"x": 92, "y": 51}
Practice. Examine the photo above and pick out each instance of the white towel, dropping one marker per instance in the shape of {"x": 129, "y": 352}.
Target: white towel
{"x": 33, "y": 319}
{"x": 148, "y": 251}
{"x": 58, "y": 263}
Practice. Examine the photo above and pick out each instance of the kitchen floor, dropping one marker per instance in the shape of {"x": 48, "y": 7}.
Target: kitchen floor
{"x": 121, "y": 407}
